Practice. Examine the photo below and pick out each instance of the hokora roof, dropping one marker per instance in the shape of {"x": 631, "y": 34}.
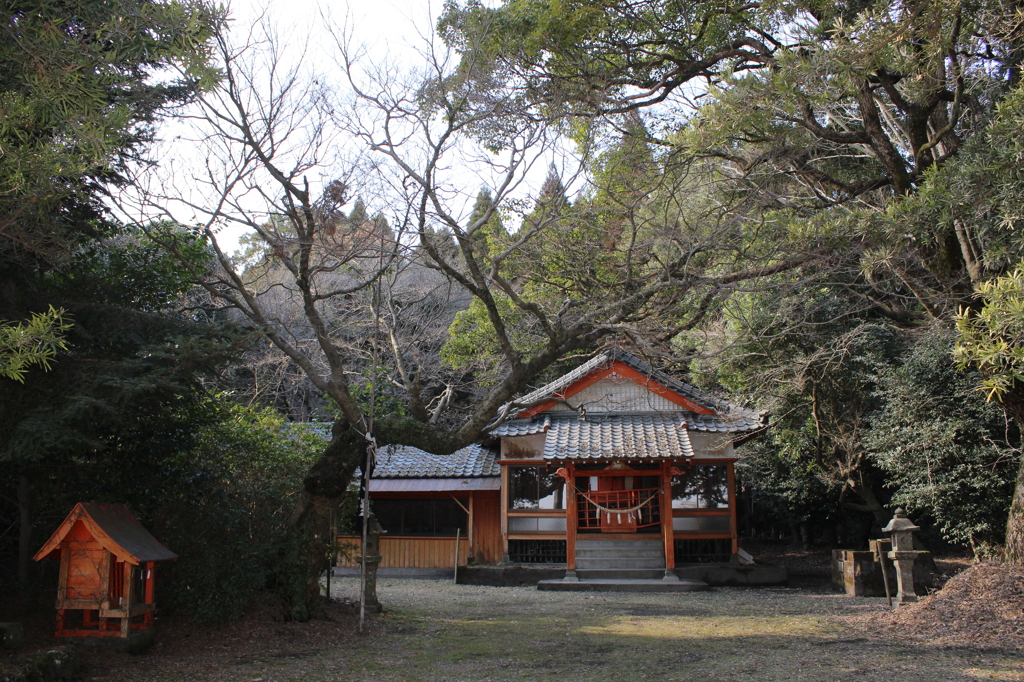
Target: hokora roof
{"x": 115, "y": 528}
{"x": 702, "y": 411}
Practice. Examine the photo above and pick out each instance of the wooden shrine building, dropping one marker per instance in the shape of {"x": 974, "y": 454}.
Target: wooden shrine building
{"x": 106, "y": 580}
{"x": 616, "y": 465}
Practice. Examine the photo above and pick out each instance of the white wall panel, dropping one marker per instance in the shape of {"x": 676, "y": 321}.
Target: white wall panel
{"x": 617, "y": 394}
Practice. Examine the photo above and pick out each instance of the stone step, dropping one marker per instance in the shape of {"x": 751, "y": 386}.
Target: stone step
{"x": 620, "y": 553}
{"x": 616, "y": 552}
{"x": 620, "y": 573}
{"x": 624, "y": 563}
{"x": 621, "y": 549}
{"x": 605, "y": 585}
{"x": 647, "y": 561}
{"x": 617, "y": 540}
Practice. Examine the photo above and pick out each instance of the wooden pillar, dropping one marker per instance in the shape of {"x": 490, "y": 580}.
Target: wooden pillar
{"x": 126, "y": 600}
{"x": 504, "y": 514}
{"x": 62, "y": 583}
{"x": 666, "y": 521}
{"x": 571, "y": 521}
{"x": 150, "y": 581}
{"x": 732, "y": 509}
{"x": 472, "y": 533}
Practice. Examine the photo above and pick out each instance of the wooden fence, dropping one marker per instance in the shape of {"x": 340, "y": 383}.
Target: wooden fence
{"x": 408, "y": 552}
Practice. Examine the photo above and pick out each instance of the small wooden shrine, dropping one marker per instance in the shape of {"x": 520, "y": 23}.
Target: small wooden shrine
{"x": 107, "y": 558}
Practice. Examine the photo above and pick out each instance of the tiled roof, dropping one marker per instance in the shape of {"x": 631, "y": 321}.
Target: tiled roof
{"x": 434, "y": 485}
{"x": 403, "y": 461}
{"x": 735, "y": 423}
{"x": 523, "y": 427}
{"x": 618, "y": 437}
{"x": 723, "y": 408}
{"x": 115, "y": 528}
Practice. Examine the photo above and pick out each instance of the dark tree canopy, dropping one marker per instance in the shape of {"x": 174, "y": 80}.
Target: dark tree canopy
{"x": 80, "y": 88}
{"x": 82, "y": 84}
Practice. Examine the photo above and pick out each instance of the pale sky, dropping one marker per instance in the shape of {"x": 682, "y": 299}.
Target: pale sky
{"x": 387, "y": 30}
{"x": 386, "y": 27}
{"x": 391, "y": 32}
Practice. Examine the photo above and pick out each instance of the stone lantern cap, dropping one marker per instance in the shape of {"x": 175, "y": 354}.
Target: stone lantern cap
{"x": 900, "y": 522}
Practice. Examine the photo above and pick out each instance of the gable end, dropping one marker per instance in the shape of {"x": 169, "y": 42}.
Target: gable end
{"x": 619, "y": 368}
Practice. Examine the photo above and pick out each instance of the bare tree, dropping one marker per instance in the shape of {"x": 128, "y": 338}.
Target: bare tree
{"x": 342, "y": 296}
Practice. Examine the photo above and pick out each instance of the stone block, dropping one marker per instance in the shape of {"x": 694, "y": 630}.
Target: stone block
{"x": 858, "y": 573}
{"x": 12, "y": 635}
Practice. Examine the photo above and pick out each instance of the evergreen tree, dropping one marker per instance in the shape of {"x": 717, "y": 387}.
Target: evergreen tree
{"x": 82, "y": 84}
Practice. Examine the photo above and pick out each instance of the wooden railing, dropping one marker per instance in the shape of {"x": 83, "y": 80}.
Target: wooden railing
{"x": 624, "y": 510}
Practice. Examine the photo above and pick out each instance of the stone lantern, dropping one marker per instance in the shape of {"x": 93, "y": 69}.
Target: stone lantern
{"x": 901, "y": 530}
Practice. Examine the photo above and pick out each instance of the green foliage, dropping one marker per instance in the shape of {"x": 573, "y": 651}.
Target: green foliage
{"x": 128, "y": 357}
{"x": 373, "y": 383}
{"x": 866, "y": 418}
{"x": 583, "y": 47}
{"x": 471, "y": 342}
{"x": 77, "y": 97}
{"x": 223, "y": 505}
{"x": 820, "y": 388}
{"x": 34, "y": 342}
{"x": 786, "y": 489}
{"x": 216, "y": 483}
{"x": 133, "y": 268}
{"x": 989, "y": 188}
{"x": 491, "y": 234}
{"x": 872, "y": 138}
{"x": 946, "y": 452}
{"x": 990, "y": 339}
{"x": 119, "y": 397}
{"x": 818, "y": 120}
{"x": 983, "y": 197}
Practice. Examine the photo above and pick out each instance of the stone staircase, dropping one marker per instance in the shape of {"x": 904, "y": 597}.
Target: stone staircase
{"x": 620, "y": 563}
{"x": 620, "y": 557}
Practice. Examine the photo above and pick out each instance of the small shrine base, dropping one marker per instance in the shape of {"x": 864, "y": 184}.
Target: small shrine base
{"x": 137, "y": 642}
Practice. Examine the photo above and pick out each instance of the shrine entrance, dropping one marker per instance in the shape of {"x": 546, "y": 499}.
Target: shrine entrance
{"x": 624, "y": 500}
{"x": 619, "y": 504}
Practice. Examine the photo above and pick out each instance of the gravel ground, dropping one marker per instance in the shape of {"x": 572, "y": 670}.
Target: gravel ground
{"x": 433, "y": 630}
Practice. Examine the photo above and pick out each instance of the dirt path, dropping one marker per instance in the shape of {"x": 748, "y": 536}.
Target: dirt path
{"x": 434, "y": 630}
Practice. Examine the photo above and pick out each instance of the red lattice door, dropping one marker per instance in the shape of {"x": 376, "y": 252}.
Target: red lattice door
{"x": 613, "y": 495}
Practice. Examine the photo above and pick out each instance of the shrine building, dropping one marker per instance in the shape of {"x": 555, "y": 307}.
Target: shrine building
{"x": 616, "y": 466}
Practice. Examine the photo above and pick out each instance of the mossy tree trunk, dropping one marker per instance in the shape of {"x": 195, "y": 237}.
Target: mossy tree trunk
{"x": 1013, "y": 552}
